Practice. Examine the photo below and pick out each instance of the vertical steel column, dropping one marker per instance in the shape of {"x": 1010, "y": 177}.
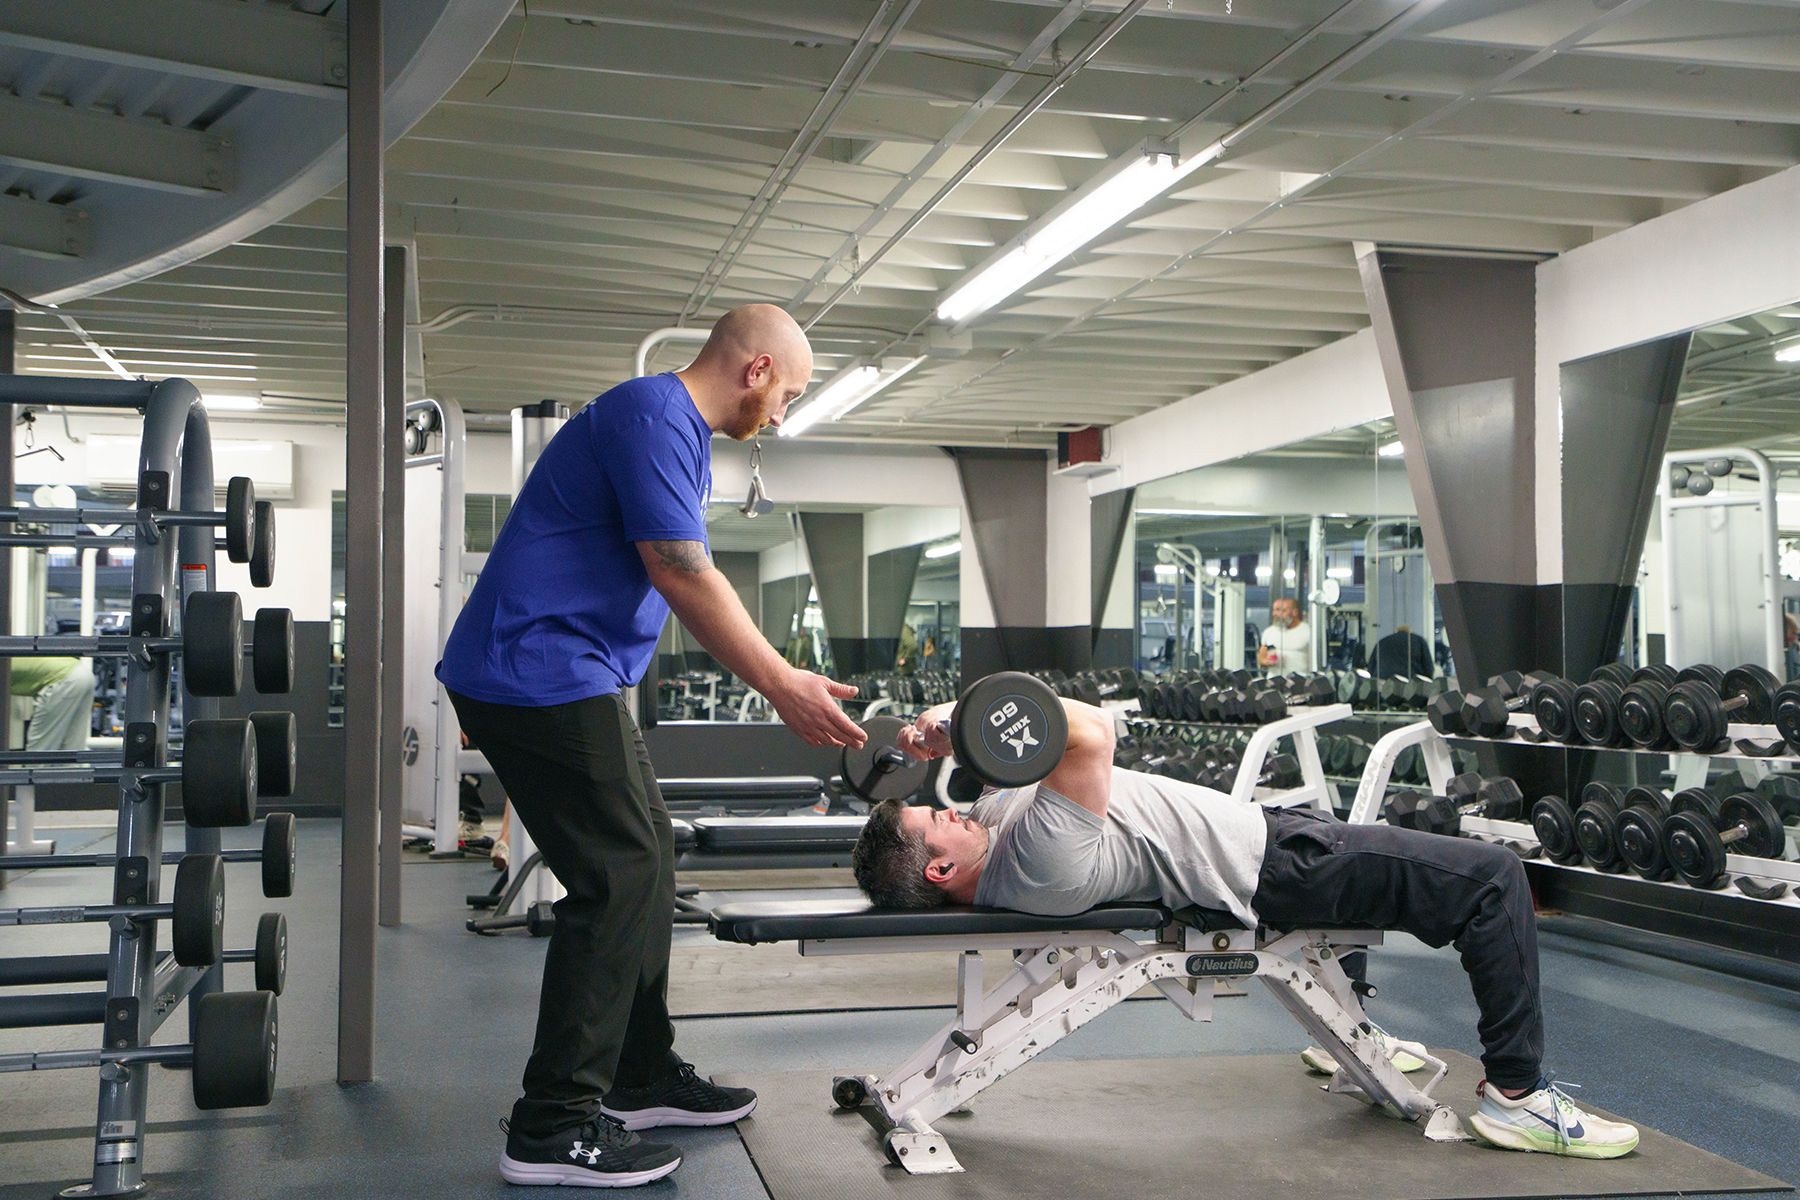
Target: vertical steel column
{"x": 363, "y": 458}
{"x": 8, "y": 338}
{"x": 393, "y": 576}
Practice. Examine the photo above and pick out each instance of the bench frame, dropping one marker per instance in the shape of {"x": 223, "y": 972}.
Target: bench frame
{"x": 1059, "y": 981}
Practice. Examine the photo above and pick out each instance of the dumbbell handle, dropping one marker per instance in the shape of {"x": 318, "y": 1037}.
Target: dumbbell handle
{"x": 1735, "y": 833}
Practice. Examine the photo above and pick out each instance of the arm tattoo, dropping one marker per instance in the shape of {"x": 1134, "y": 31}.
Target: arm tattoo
{"x": 690, "y": 557}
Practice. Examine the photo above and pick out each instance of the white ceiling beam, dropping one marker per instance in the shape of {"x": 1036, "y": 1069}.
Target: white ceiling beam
{"x": 249, "y": 45}
{"x": 43, "y": 230}
{"x": 90, "y": 144}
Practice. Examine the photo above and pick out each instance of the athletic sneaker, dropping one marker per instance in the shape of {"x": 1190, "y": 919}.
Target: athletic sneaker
{"x": 1319, "y": 1062}
{"x": 679, "y": 1098}
{"x": 1547, "y": 1121}
{"x": 600, "y": 1154}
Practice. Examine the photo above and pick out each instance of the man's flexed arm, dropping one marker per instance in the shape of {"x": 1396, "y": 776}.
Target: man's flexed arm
{"x": 708, "y": 607}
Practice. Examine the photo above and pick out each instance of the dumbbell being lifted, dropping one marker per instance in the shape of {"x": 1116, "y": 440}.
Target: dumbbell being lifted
{"x": 1008, "y": 730}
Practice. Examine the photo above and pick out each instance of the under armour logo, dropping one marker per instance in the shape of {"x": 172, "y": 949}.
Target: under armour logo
{"x": 1023, "y": 740}
{"x": 583, "y": 1150}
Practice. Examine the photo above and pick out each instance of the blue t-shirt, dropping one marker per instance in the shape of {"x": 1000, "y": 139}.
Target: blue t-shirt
{"x": 564, "y": 609}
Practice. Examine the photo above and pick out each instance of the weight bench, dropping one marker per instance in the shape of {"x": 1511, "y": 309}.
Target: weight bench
{"x": 761, "y": 793}
{"x": 1061, "y": 973}
{"x": 757, "y": 844}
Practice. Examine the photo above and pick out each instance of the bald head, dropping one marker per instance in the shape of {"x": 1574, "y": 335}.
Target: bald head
{"x": 755, "y": 363}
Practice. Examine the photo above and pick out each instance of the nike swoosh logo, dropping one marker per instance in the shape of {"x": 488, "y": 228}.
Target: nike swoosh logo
{"x": 1574, "y": 1131}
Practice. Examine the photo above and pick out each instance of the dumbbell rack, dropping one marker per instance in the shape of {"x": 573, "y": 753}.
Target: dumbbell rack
{"x": 175, "y": 463}
{"x": 1302, "y": 723}
{"x": 1372, "y": 789}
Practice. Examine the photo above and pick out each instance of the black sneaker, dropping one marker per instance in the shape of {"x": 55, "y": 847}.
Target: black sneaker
{"x": 681, "y": 1098}
{"x": 599, "y": 1154}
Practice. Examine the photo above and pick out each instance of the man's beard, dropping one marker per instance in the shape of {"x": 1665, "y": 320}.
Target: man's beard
{"x": 750, "y": 417}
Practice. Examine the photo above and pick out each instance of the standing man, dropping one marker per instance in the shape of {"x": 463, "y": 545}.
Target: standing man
{"x": 606, "y": 536}
{"x": 1287, "y": 642}
{"x": 60, "y": 715}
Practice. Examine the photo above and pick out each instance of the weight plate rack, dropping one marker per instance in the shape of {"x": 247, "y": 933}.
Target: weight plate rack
{"x": 174, "y": 531}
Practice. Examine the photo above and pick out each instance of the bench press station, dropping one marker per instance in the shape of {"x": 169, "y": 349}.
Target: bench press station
{"x": 1067, "y": 970}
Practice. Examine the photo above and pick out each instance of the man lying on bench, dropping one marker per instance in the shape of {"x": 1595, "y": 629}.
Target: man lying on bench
{"x": 1091, "y": 833}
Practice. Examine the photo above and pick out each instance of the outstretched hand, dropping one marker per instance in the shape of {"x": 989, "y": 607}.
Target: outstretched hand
{"x": 809, "y": 705}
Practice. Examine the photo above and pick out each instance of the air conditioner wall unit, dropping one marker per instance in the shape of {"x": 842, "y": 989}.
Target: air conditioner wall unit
{"x": 113, "y": 460}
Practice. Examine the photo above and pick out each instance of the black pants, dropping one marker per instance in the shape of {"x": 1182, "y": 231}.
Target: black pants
{"x": 1319, "y": 871}
{"x": 580, "y": 780}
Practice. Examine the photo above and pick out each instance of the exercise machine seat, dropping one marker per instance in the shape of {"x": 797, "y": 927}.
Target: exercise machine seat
{"x": 771, "y": 834}
{"x": 817, "y": 920}
{"x": 801, "y": 789}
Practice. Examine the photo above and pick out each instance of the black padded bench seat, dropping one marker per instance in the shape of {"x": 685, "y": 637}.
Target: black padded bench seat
{"x": 817, "y": 920}
{"x": 801, "y": 789}
{"x": 777, "y": 833}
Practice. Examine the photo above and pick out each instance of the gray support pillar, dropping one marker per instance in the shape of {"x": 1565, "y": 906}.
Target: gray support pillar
{"x": 834, "y": 545}
{"x": 781, "y": 599}
{"x": 1616, "y": 409}
{"x": 364, "y": 439}
{"x": 9, "y": 333}
{"x": 1004, "y": 493}
{"x": 1457, "y": 343}
{"x": 393, "y": 575}
{"x": 1109, "y": 520}
{"x": 891, "y": 574}
{"x": 740, "y": 570}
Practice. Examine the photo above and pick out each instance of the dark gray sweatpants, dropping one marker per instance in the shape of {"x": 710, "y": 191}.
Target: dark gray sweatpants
{"x": 1319, "y": 871}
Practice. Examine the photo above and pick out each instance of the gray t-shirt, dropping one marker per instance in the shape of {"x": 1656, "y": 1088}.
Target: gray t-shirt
{"x": 1161, "y": 839}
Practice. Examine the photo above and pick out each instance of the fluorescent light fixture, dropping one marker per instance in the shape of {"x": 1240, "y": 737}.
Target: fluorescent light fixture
{"x": 1287, "y": 575}
{"x": 1194, "y": 512}
{"x": 1341, "y": 574}
{"x": 943, "y": 549}
{"x": 1167, "y": 570}
{"x": 844, "y": 391}
{"x": 1263, "y": 571}
{"x": 1788, "y": 354}
{"x": 231, "y": 403}
{"x": 1120, "y": 190}
{"x": 1391, "y": 449}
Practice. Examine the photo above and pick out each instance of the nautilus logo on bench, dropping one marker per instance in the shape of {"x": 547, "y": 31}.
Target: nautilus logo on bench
{"x": 1214, "y": 966}
{"x": 1013, "y": 726}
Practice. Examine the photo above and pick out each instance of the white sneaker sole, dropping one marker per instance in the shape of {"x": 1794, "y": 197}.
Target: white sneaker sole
{"x": 558, "y": 1175}
{"x": 1511, "y": 1137}
{"x": 651, "y": 1118}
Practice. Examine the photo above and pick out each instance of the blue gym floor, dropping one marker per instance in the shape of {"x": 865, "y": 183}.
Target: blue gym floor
{"x": 1710, "y": 1057}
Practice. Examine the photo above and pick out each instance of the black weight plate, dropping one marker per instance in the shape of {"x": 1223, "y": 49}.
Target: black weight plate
{"x": 1611, "y": 672}
{"x": 271, "y": 953}
{"x": 1553, "y": 704}
{"x": 1661, "y": 673}
{"x": 262, "y": 552}
{"x": 1598, "y": 792}
{"x": 1787, "y": 715}
{"x": 1697, "y": 800}
{"x": 212, "y": 644}
{"x": 1647, "y": 797}
{"x": 1597, "y": 833}
{"x": 1640, "y": 841}
{"x": 197, "y": 929}
{"x": 1756, "y": 686}
{"x": 235, "y": 1045}
{"x": 1191, "y": 695}
{"x": 1597, "y": 712}
{"x": 1764, "y": 837}
{"x": 1555, "y": 828}
{"x": 1694, "y": 716}
{"x": 1694, "y": 849}
{"x": 240, "y": 518}
{"x": 1640, "y": 713}
{"x": 878, "y": 769}
{"x": 280, "y": 855}
{"x": 1009, "y": 729}
{"x": 277, "y": 752}
{"x": 1705, "y": 673}
{"x": 218, "y": 773}
{"x": 272, "y": 652}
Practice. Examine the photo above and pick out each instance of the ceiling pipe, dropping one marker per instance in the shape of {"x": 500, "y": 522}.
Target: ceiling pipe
{"x": 655, "y": 338}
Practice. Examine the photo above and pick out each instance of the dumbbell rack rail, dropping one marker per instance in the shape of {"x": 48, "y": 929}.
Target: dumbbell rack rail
{"x": 1372, "y": 789}
{"x": 175, "y": 473}
{"x": 1302, "y": 723}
